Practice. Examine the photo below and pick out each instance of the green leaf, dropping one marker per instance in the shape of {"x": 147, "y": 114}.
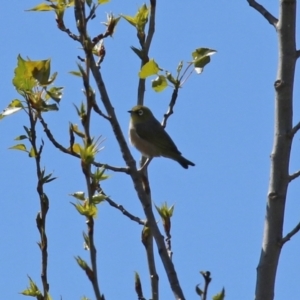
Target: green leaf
{"x": 159, "y": 83}
{"x": 220, "y": 296}
{"x": 199, "y": 291}
{"x": 140, "y": 19}
{"x": 20, "y": 147}
{"x": 201, "y": 58}
{"x": 12, "y": 108}
{"x": 171, "y": 79}
{"x": 30, "y": 73}
{"x": 148, "y": 69}
{"x": 79, "y": 196}
{"x": 50, "y": 107}
{"x": 82, "y": 263}
{"x": 32, "y": 290}
{"x": 76, "y": 148}
{"x": 139, "y": 52}
{"x": 54, "y": 93}
{"x": 21, "y": 137}
{"x": 43, "y": 7}
{"x": 179, "y": 67}
{"x": 103, "y": 1}
{"x": 23, "y": 80}
{"x": 32, "y": 152}
{"x": 130, "y": 20}
{"x": 89, "y": 2}
{"x": 86, "y": 209}
{"x": 98, "y": 198}
{"x": 74, "y": 128}
{"x": 75, "y": 73}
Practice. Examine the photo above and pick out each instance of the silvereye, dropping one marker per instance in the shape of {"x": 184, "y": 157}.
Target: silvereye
{"x": 150, "y": 138}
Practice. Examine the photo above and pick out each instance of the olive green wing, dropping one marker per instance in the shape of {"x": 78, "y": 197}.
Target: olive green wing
{"x": 154, "y": 133}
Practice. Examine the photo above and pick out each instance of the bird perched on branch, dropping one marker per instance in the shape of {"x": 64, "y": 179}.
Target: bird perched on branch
{"x": 150, "y": 138}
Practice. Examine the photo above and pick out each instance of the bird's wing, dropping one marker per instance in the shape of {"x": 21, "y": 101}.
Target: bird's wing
{"x": 155, "y": 134}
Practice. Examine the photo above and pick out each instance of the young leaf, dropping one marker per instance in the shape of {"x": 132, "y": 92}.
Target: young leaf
{"x": 54, "y": 93}
{"x": 201, "y": 58}
{"x": 20, "y": 147}
{"x": 148, "y": 69}
{"x": 12, "y": 108}
{"x": 43, "y": 7}
{"x": 32, "y": 290}
{"x": 21, "y": 137}
{"x": 32, "y": 152}
{"x": 220, "y": 296}
{"x": 103, "y": 1}
{"x": 79, "y": 196}
{"x": 159, "y": 83}
{"x": 75, "y": 73}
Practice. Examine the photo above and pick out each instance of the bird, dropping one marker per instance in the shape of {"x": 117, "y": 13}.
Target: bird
{"x": 148, "y": 136}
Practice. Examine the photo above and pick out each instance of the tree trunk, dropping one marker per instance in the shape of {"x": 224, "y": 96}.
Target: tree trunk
{"x": 280, "y": 157}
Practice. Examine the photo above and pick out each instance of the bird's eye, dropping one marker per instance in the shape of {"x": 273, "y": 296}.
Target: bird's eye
{"x": 140, "y": 112}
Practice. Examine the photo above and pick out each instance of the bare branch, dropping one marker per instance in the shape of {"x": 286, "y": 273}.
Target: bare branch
{"x": 297, "y": 53}
{"x": 290, "y": 234}
{"x": 125, "y": 212}
{"x": 264, "y": 12}
{"x": 65, "y": 150}
{"x": 294, "y": 176}
{"x": 295, "y": 129}
{"x": 148, "y": 243}
{"x": 151, "y": 28}
{"x": 99, "y": 111}
{"x": 145, "y": 48}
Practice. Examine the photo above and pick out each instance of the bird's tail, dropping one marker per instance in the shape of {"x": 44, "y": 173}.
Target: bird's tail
{"x": 185, "y": 163}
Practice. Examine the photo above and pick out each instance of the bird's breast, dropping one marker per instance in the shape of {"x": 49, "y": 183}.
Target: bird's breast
{"x": 147, "y": 149}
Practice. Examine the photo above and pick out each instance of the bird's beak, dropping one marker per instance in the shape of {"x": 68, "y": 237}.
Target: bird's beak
{"x": 130, "y": 111}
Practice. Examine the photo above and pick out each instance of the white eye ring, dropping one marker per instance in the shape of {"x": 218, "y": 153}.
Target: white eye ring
{"x": 140, "y": 112}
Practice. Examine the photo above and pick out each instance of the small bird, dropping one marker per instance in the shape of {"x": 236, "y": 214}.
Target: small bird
{"x": 150, "y": 138}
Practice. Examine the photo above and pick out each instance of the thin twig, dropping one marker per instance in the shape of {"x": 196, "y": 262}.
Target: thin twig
{"x": 295, "y": 129}
{"x": 294, "y": 176}
{"x": 264, "y": 12}
{"x": 66, "y": 150}
{"x": 170, "y": 108}
{"x": 80, "y": 18}
{"x": 146, "y": 48}
{"x": 125, "y": 212}
{"x": 290, "y": 234}
{"x": 91, "y": 13}
{"x": 151, "y": 266}
{"x": 44, "y": 202}
{"x": 99, "y": 111}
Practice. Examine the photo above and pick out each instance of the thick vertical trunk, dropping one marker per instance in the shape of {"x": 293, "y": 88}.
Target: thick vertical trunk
{"x": 280, "y": 157}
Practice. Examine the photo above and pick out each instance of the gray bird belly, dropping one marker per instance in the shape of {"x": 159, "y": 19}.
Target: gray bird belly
{"x": 142, "y": 145}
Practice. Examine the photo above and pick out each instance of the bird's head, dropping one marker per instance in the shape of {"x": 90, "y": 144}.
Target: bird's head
{"x": 140, "y": 113}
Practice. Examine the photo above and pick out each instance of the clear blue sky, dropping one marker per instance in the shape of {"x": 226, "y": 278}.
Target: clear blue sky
{"x": 223, "y": 122}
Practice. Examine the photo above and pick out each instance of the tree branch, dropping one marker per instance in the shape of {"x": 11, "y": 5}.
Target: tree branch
{"x": 294, "y": 176}
{"x": 297, "y": 53}
{"x": 171, "y": 106}
{"x": 136, "y": 178}
{"x": 295, "y": 129}
{"x": 290, "y": 234}
{"x": 145, "y": 48}
{"x": 65, "y": 150}
{"x": 264, "y": 12}
{"x": 125, "y": 212}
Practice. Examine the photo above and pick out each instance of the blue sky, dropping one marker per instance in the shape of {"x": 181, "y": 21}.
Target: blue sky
{"x": 223, "y": 122}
